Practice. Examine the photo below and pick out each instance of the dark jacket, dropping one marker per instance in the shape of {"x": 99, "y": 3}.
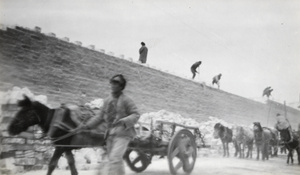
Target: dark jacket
{"x": 143, "y": 54}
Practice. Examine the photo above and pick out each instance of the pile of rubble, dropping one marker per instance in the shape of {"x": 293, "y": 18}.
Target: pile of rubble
{"x": 164, "y": 115}
{"x": 16, "y": 93}
{"x": 95, "y": 104}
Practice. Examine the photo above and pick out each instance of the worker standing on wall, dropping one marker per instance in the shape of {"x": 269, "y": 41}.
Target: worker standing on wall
{"x": 143, "y": 53}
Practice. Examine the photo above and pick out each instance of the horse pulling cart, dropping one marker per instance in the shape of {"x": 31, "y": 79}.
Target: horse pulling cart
{"x": 178, "y": 142}
{"x": 180, "y": 147}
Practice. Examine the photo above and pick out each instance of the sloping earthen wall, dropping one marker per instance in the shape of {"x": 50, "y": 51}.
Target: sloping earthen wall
{"x": 68, "y": 72}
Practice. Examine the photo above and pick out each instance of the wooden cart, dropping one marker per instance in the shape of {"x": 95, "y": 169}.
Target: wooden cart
{"x": 180, "y": 147}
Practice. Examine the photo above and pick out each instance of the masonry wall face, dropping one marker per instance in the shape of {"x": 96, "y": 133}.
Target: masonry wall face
{"x": 68, "y": 73}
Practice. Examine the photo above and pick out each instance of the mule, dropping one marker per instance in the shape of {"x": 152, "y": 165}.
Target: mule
{"x": 34, "y": 113}
{"x": 225, "y": 134}
{"x": 290, "y": 144}
{"x": 243, "y": 137}
{"x": 262, "y": 138}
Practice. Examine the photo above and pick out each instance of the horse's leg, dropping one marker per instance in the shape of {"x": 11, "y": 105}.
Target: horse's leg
{"x": 239, "y": 149}
{"x": 266, "y": 152}
{"x": 250, "y": 150}
{"x": 227, "y": 149}
{"x": 242, "y": 151}
{"x": 54, "y": 160}
{"x": 257, "y": 150}
{"x": 298, "y": 154}
{"x": 249, "y": 153}
{"x": 263, "y": 151}
{"x": 292, "y": 159}
{"x": 224, "y": 150}
{"x": 276, "y": 150}
{"x": 71, "y": 162}
{"x": 270, "y": 151}
{"x": 288, "y": 157}
{"x": 236, "y": 148}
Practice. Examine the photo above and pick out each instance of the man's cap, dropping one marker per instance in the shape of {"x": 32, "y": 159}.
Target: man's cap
{"x": 142, "y": 43}
{"x": 119, "y": 78}
{"x": 116, "y": 79}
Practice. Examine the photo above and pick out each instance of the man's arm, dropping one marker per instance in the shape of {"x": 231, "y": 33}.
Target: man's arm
{"x": 131, "y": 109}
{"x": 141, "y": 50}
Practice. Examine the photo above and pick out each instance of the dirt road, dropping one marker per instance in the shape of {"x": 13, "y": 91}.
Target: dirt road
{"x": 210, "y": 166}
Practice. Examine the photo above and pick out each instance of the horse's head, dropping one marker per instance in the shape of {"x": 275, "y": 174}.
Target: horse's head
{"x": 257, "y": 127}
{"x": 218, "y": 128}
{"x": 27, "y": 116}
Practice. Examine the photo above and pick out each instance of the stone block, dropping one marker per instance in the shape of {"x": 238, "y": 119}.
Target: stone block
{"x": 5, "y": 134}
{"x": 3, "y": 126}
{"x": 25, "y": 161}
{"x": 35, "y": 37}
{"x": 37, "y": 29}
{"x": 13, "y": 141}
{"x": 65, "y": 39}
{"x": 92, "y": 47}
{"x": 19, "y": 154}
{"x": 78, "y": 43}
{"x": 29, "y": 153}
{"x": 51, "y": 34}
{"x": 39, "y": 142}
{"x": 5, "y": 171}
{"x": 7, "y": 154}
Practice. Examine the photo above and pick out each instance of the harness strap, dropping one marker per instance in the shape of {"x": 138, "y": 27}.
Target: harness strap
{"x": 58, "y": 112}
{"x": 64, "y": 136}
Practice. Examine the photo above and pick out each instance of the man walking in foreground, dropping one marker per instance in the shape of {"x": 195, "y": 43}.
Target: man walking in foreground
{"x": 120, "y": 114}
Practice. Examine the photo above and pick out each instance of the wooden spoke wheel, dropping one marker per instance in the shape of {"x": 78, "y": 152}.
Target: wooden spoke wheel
{"x": 137, "y": 160}
{"x": 182, "y": 152}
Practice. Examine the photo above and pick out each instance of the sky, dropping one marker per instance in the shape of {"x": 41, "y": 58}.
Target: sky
{"x": 253, "y": 43}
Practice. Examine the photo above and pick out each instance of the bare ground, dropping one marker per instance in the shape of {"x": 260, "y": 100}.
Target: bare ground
{"x": 209, "y": 166}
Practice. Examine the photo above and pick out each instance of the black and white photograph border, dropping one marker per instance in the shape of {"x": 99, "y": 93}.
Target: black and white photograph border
{"x": 237, "y": 111}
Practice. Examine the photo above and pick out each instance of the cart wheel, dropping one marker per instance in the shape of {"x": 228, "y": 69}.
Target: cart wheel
{"x": 182, "y": 152}
{"x": 137, "y": 160}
